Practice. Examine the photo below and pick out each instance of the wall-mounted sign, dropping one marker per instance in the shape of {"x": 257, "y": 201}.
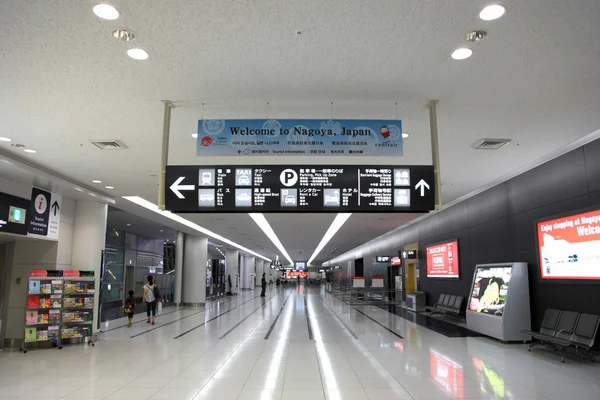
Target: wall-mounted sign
{"x": 295, "y": 274}
{"x": 382, "y": 259}
{"x": 299, "y": 188}
{"x": 44, "y": 214}
{"x": 442, "y": 260}
{"x": 300, "y": 265}
{"x": 410, "y": 254}
{"x": 299, "y": 137}
{"x": 13, "y": 214}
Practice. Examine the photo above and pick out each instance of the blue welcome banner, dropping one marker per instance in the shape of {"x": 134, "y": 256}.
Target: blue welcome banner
{"x": 299, "y": 137}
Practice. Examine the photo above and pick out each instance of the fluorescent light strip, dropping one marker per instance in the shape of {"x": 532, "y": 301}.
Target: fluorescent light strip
{"x": 154, "y": 208}
{"x": 262, "y": 222}
{"x": 335, "y": 226}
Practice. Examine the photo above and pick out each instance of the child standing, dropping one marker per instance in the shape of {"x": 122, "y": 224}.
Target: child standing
{"x": 129, "y": 307}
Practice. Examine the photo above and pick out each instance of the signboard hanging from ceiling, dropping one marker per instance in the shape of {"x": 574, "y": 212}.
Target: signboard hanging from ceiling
{"x": 13, "y": 214}
{"x": 44, "y": 214}
{"x": 299, "y": 188}
{"x": 299, "y": 137}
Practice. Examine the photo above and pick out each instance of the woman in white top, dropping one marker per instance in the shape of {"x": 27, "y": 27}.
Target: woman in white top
{"x": 150, "y": 300}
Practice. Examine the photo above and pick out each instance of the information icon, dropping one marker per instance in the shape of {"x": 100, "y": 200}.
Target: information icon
{"x": 206, "y": 197}
{"x": 401, "y": 197}
{"x": 206, "y": 177}
{"x": 331, "y": 197}
{"x": 289, "y": 197}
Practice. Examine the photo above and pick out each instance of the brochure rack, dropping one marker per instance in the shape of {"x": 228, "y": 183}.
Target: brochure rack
{"x": 78, "y": 306}
{"x": 60, "y": 308}
{"x": 43, "y": 309}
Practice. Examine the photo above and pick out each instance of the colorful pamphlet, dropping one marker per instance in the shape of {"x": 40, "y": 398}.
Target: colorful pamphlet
{"x": 54, "y": 317}
{"x": 34, "y": 287}
{"x": 42, "y": 318}
{"x": 30, "y": 334}
{"x": 46, "y": 288}
{"x": 33, "y": 301}
{"x": 42, "y": 335}
{"x": 88, "y": 302}
{"x": 44, "y": 302}
{"x": 52, "y": 332}
{"x": 31, "y": 318}
{"x": 57, "y": 287}
{"x": 56, "y": 301}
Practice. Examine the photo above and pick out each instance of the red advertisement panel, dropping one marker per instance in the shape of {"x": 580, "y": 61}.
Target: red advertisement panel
{"x": 569, "y": 247}
{"x": 295, "y": 274}
{"x": 396, "y": 261}
{"x": 38, "y": 273}
{"x": 442, "y": 260}
{"x": 71, "y": 274}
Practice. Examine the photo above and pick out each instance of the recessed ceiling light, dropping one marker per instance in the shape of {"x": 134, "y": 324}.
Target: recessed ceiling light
{"x": 5, "y": 139}
{"x": 30, "y": 151}
{"x": 123, "y": 34}
{"x": 128, "y": 224}
{"x": 78, "y": 189}
{"x": 405, "y": 135}
{"x": 96, "y": 181}
{"x": 106, "y": 11}
{"x": 492, "y": 12}
{"x": 92, "y": 194}
{"x": 462, "y": 54}
{"x": 137, "y": 54}
{"x": 161, "y": 230}
{"x": 195, "y": 135}
{"x": 109, "y": 187}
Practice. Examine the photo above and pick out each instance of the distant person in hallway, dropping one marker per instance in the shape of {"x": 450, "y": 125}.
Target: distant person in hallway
{"x": 263, "y": 284}
{"x": 150, "y": 299}
{"x": 230, "y": 292}
{"x": 129, "y": 307}
{"x": 298, "y": 280}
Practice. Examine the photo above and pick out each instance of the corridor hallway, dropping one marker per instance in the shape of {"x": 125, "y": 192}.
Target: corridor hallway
{"x": 296, "y": 343}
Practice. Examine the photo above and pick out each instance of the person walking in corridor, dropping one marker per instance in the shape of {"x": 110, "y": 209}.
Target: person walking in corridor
{"x": 263, "y": 284}
{"x": 150, "y": 299}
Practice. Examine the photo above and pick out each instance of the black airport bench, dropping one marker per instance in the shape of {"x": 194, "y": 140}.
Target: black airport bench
{"x": 447, "y": 305}
{"x": 562, "y": 330}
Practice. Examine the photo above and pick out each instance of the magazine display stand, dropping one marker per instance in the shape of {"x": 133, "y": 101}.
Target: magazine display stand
{"x": 60, "y": 308}
{"x": 78, "y": 306}
{"x": 43, "y": 309}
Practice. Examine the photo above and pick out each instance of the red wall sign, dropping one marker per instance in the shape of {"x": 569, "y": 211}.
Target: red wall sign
{"x": 442, "y": 260}
{"x": 38, "y": 273}
{"x": 295, "y": 274}
{"x": 396, "y": 261}
{"x": 569, "y": 247}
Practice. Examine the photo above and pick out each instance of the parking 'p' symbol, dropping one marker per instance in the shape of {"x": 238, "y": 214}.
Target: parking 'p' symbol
{"x": 288, "y": 177}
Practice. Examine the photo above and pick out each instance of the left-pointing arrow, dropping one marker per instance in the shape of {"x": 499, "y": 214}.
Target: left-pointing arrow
{"x": 176, "y": 187}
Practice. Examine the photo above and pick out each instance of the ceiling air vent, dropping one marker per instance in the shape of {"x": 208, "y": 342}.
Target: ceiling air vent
{"x": 109, "y": 144}
{"x": 490, "y": 144}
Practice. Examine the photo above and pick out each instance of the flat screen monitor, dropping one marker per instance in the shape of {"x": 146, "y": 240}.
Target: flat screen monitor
{"x": 300, "y": 266}
{"x": 442, "y": 260}
{"x": 488, "y": 294}
{"x": 569, "y": 247}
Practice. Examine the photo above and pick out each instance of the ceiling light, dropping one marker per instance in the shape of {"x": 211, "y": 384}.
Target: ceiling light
{"x": 335, "y": 226}
{"x": 30, "y": 151}
{"x": 128, "y": 224}
{"x": 137, "y": 54}
{"x": 195, "y": 135}
{"x": 78, "y": 189}
{"x": 462, "y": 54}
{"x": 161, "y": 230}
{"x": 263, "y": 224}
{"x": 92, "y": 194}
{"x": 492, "y": 12}
{"x": 106, "y": 11}
{"x": 405, "y": 135}
{"x": 96, "y": 181}
{"x": 167, "y": 214}
{"x": 109, "y": 187}
{"x": 123, "y": 34}
{"x": 5, "y": 139}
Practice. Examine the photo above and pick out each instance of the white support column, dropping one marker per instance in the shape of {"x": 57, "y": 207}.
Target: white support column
{"x": 246, "y": 270}
{"x": 259, "y": 272}
{"x": 179, "y": 267}
{"x": 195, "y": 257}
{"x": 232, "y": 268}
{"x": 89, "y": 234}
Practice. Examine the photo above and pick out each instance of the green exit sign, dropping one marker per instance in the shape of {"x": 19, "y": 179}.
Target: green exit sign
{"x": 16, "y": 215}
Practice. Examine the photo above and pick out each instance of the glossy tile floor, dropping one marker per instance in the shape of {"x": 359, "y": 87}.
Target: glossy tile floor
{"x": 297, "y": 343}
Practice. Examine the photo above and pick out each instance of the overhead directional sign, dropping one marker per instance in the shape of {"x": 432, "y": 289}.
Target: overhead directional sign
{"x": 44, "y": 214}
{"x": 299, "y": 188}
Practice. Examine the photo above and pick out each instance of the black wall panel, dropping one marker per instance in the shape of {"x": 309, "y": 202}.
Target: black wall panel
{"x": 492, "y": 204}
{"x": 554, "y": 181}
{"x": 591, "y": 152}
{"x": 454, "y": 218}
{"x": 498, "y": 225}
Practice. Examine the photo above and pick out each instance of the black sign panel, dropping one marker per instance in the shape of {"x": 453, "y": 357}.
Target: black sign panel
{"x": 299, "y": 188}
{"x": 14, "y": 213}
{"x": 409, "y": 254}
{"x": 382, "y": 259}
{"x": 39, "y": 213}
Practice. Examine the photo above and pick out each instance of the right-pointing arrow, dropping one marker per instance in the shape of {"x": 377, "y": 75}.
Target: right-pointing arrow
{"x": 176, "y": 187}
{"x": 422, "y": 185}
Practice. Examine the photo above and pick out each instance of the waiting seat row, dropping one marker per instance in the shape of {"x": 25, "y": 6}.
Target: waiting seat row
{"x": 567, "y": 329}
{"x": 448, "y": 305}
